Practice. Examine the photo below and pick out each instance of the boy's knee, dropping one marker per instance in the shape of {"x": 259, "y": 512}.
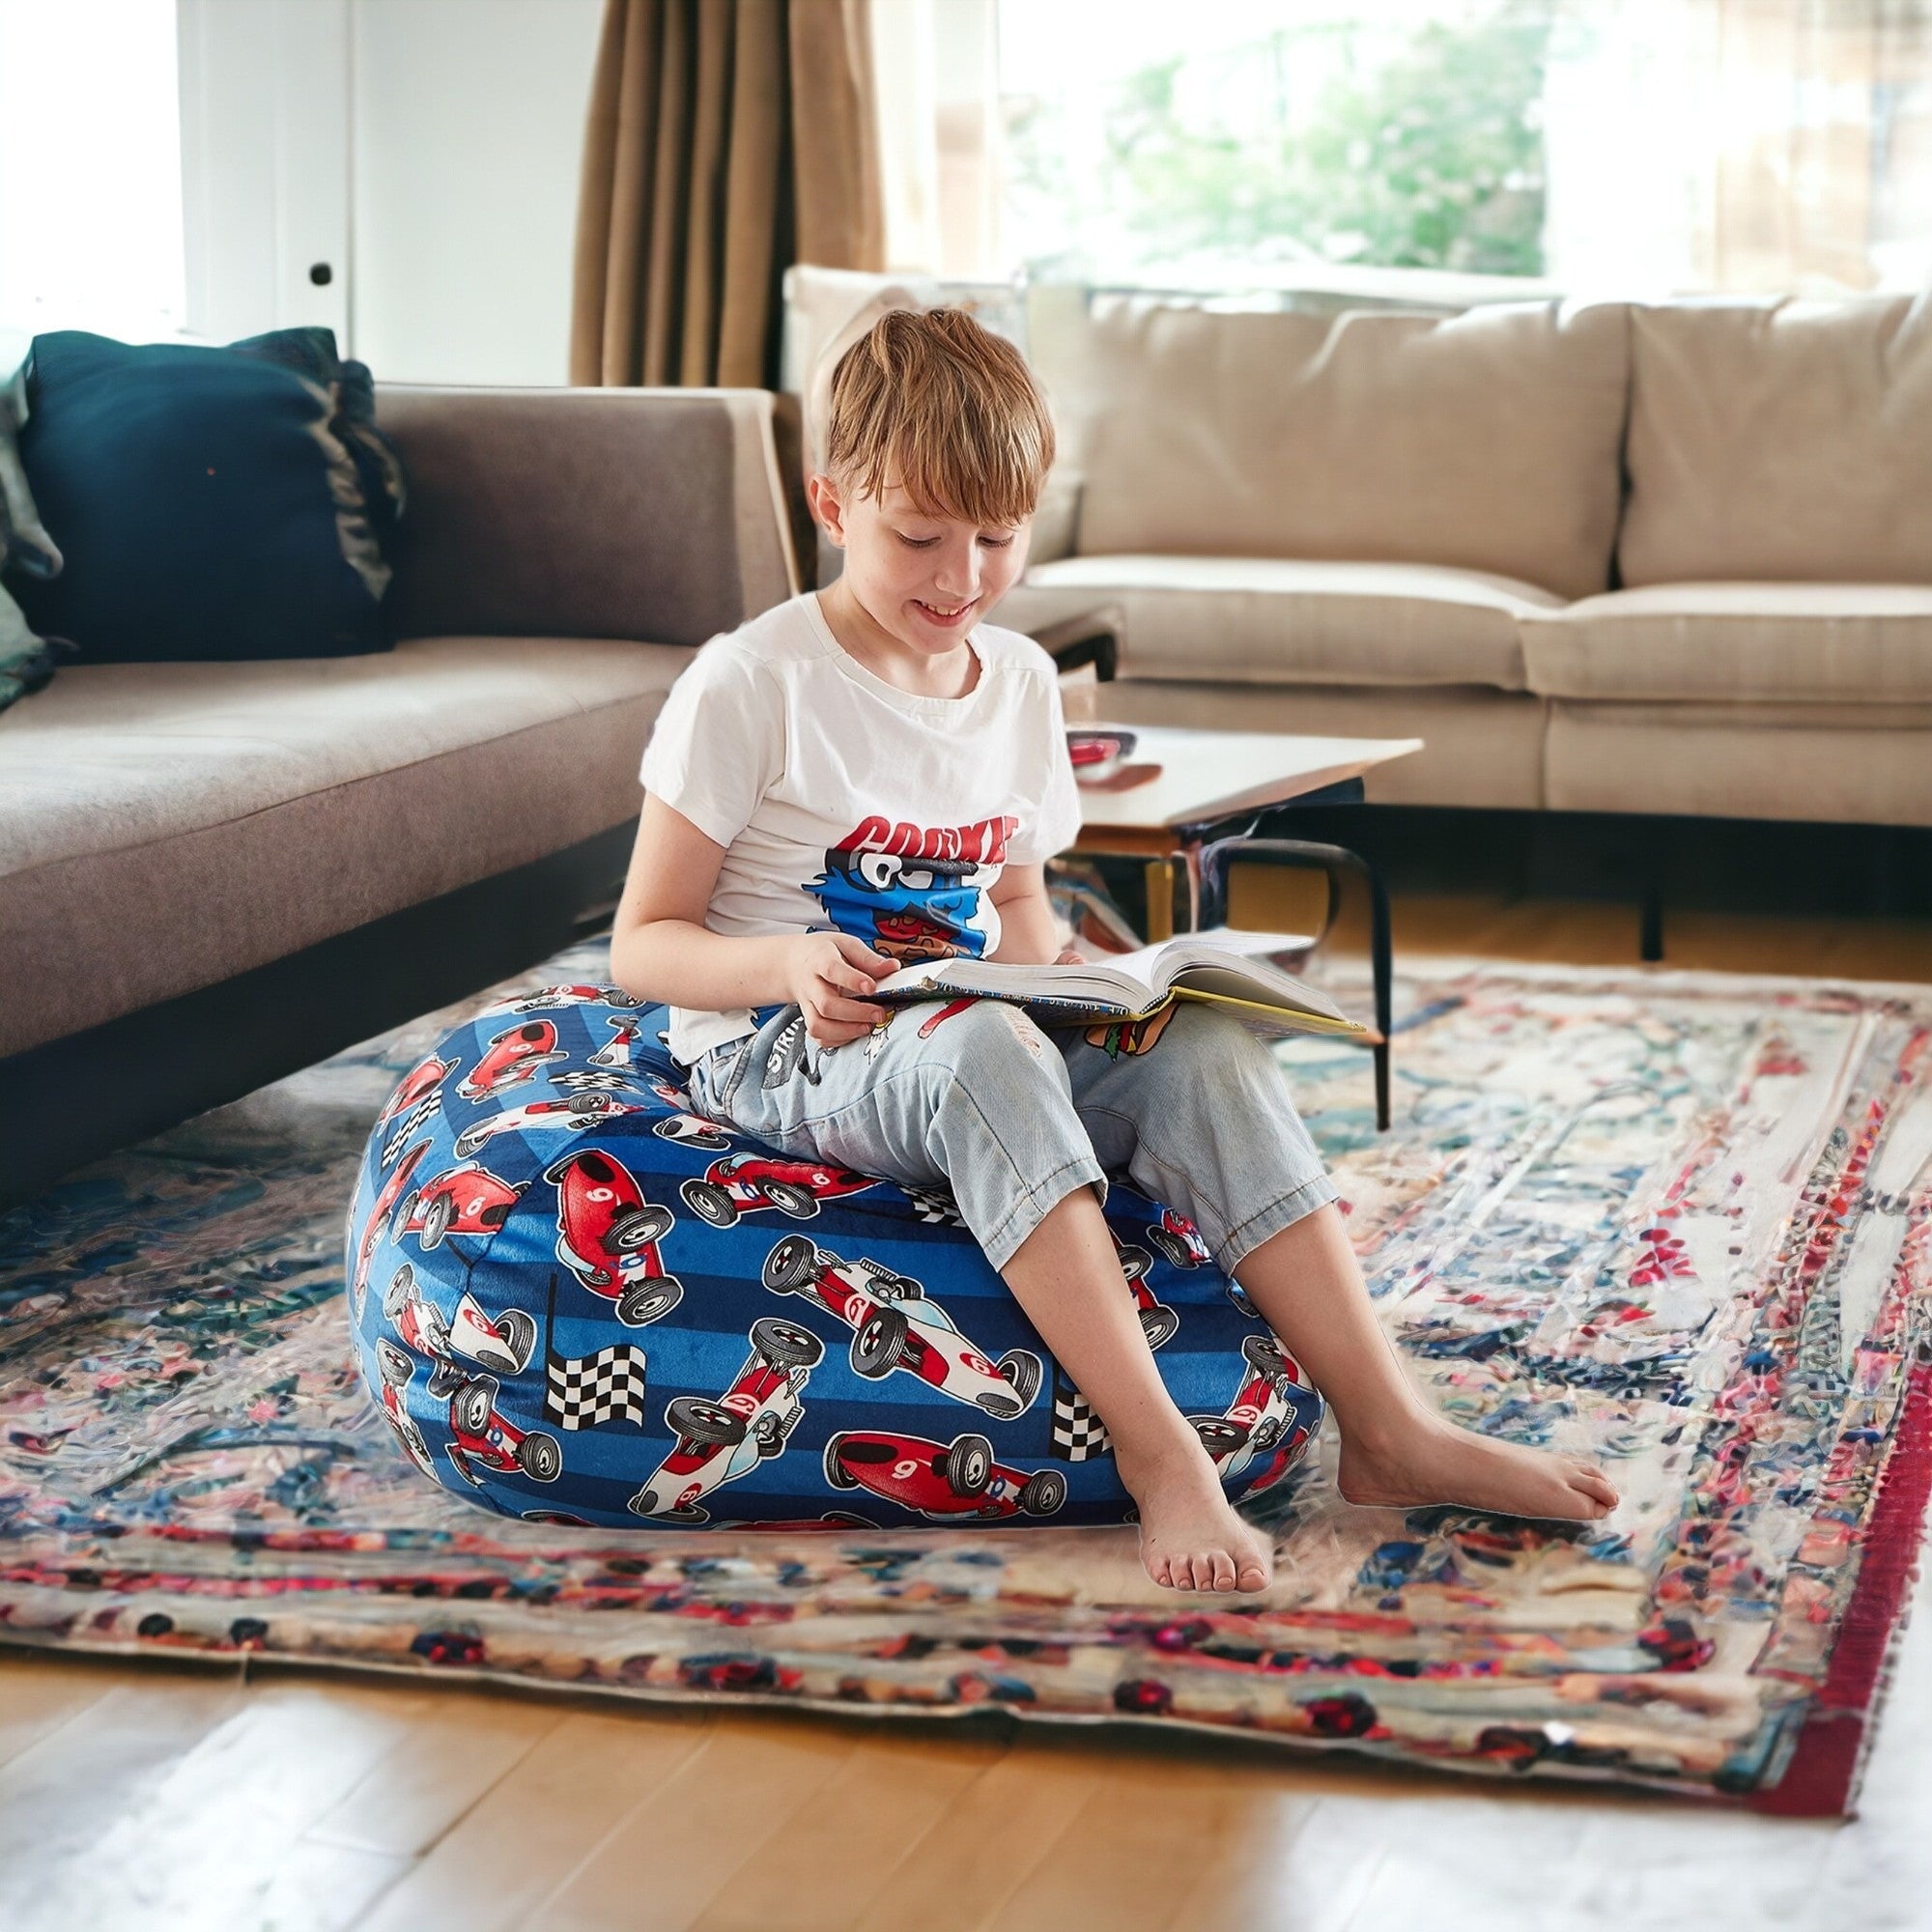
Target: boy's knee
{"x": 998, "y": 1042}
{"x": 1200, "y": 1034}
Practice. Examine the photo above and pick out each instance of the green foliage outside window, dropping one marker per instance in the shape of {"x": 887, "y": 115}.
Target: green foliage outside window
{"x": 1429, "y": 159}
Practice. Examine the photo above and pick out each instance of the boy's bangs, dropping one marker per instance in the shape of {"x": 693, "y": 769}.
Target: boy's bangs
{"x": 947, "y": 477}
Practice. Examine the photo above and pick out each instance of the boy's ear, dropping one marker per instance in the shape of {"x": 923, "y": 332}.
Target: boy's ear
{"x": 821, "y": 492}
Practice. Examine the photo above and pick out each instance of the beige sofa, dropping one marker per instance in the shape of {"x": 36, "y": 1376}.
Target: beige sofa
{"x": 1667, "y": 557}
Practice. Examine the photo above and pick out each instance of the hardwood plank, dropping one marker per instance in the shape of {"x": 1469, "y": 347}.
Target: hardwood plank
{"x": 995, "y": 1832}
{"x": 835, "y": 1853}
{"x": 202, "y": 1844}
{"x": 1133, "y": 1855}
{"x": 62, "y": 1796}
{"x": 662, "y": 1863}
{"x": 39, "y": 1694}
{"x": 535, "y": 1826}
{"x": 462, "y": 1746}
{"x": 312, "y": 1887}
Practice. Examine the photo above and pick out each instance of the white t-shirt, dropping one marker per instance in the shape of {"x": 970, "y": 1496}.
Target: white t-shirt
{"x": 843, "y": 803}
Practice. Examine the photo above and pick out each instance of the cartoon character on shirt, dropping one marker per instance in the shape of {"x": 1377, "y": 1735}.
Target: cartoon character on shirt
{"x": 911, "y": 891}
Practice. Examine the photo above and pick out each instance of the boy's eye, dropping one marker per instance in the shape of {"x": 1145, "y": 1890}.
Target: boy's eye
{"x": 927, "y": 543}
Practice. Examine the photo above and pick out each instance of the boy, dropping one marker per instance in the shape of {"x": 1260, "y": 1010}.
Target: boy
{"x": 873, "y": 775}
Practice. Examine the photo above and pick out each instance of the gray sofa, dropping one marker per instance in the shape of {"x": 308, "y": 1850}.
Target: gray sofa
{"x": 212, "y": 874}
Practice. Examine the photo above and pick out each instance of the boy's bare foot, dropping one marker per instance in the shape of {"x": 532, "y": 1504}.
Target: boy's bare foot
{"x": 1191, "y": 1538}
{"x": 1428, "y": 1460}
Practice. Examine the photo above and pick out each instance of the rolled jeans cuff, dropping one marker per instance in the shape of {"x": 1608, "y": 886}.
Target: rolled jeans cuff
{"x": 1035, "y": 1201}
{"x": 1284, "y": 1212}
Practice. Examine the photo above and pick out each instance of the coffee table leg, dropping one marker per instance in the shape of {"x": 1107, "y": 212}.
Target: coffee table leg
{"x": 1159, "y": 874}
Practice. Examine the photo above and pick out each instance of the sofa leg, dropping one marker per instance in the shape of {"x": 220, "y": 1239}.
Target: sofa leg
{"x": 1650, "y": 939}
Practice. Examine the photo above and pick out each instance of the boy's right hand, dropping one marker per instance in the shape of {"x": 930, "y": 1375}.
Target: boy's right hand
{"x": 825, "y": 971}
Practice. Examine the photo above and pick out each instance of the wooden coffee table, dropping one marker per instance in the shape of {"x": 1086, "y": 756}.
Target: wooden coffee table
{"x": 1212, "y": 784}
{"x": 1207, "y": 779}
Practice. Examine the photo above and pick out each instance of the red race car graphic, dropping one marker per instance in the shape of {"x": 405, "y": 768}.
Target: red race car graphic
{"x": 396, "y": 1370}
{"x": 461, "y": 1200}
{"x": 418, "y": 1084}
{"x": 1177, "y": 1239}
{"x": 486, "y": 1439}
{"x": 747, "y": 1182}
{"x": 512, "y": 1058}
{"x": 503, "y": 1343}
{"x": 893, "y": 1327}
{"x": 940, "y": 1479}
{"x": 718, "y": 1440}
{"x": 1158, "y": 1321}
{"x": 1262, "y": 1417}
{"x": 376, "y": 1225}
{"x": 572, "y": 1114}
{"x": 616, "y": 1051}
{"x": 608, "y": 1235}
{"x": 541, "y": 998}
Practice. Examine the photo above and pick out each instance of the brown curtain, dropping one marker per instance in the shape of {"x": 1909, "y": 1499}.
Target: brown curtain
{"x": 727, "y": 140}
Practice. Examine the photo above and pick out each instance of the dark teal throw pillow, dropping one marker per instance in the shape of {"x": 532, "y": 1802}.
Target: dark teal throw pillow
{"x": 210, "y": 503}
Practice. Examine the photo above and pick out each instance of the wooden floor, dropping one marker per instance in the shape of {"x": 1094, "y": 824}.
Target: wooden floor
{"x": 175, "y": 1796}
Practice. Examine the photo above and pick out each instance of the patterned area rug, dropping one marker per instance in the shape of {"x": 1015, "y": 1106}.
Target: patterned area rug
{"x": 1677, "y": 1221}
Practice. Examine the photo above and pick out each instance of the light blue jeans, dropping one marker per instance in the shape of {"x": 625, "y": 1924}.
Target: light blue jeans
{"x": 973, "y": 1096}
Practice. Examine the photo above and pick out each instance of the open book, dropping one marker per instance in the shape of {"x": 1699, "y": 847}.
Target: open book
{"x": 1227, "y": 968}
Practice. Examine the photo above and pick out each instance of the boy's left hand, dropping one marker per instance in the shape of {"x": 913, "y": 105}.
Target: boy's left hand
{"x": 1070, "y": 957}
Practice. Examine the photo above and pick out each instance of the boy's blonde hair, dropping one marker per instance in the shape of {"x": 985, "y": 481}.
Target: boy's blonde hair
{"x": 932, "y": 401}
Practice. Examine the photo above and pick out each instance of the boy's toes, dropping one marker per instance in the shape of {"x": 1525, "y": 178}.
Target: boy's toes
{"x": 1252, "y": 1575}
{"x": 1593, "y": 1481}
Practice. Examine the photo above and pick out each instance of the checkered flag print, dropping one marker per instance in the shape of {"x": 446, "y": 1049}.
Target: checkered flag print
{"x": 593, "y": 1080}
{"x": 1078, "y": 1434}
{"x": 424, "y": 1111}
{"x": 587, "y": 1391}
{"x": 936, "y": 1208}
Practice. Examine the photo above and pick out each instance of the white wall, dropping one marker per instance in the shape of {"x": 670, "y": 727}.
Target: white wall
{"x": 468, "y": 127}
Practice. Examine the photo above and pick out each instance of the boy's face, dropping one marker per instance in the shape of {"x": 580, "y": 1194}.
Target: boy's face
{"x": 924, "y": 579}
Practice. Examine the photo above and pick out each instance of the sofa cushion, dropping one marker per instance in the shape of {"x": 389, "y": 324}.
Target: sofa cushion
{"x": 1284, "y": 620}
{"x": 1738, "y": 762}
{"x": 1775, "y": 438}
{"x": 165, "y": 826}
{"x": 1485, "y": 441}
{"x": 1858, "y": 643}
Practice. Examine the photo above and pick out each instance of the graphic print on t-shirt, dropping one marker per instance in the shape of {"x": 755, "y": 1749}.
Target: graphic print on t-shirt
{"x": 912, "y": 891}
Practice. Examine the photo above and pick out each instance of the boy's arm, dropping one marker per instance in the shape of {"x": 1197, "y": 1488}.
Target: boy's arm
{"x": 661, "y": 948}
{"x": 1027, "y": 936}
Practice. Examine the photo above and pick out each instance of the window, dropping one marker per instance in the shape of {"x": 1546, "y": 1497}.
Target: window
{"x": 90, "y": 168}
{"x": 1631, "y": 147}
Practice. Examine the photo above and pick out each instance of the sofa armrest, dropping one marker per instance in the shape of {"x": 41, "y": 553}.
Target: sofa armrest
{"x": 651, "y": 514}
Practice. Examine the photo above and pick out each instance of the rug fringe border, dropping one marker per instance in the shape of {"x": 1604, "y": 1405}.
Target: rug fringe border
{"x": 1827, "y": 1764}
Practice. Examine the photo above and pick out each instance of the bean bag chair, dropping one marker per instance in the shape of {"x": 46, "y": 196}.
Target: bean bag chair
{"x": 577, "y": 1301}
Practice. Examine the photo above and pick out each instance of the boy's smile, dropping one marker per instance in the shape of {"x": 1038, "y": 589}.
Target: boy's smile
{"x": 913, "y": 586}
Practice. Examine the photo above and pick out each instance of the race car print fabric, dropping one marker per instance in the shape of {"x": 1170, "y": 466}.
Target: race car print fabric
{"x": 575, "y": 1300}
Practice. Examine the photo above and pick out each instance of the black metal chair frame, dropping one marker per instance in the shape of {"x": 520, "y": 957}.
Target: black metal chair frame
{"x": 1334, "y": 861}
